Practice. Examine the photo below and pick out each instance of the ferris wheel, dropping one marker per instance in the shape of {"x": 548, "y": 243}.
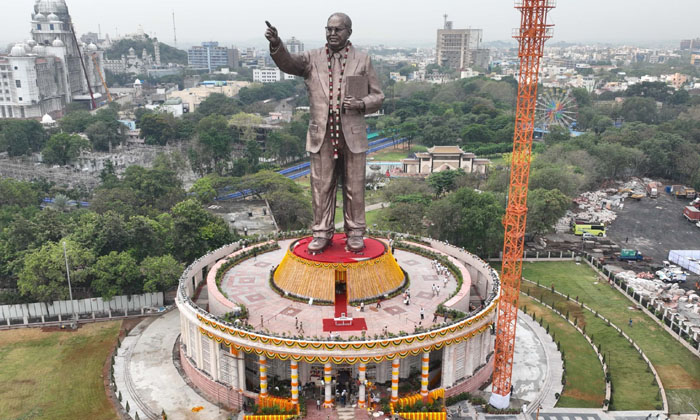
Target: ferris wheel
{"x": 556, "y": 107}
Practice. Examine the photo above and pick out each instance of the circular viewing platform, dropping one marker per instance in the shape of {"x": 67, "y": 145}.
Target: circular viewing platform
{"x": 369, "y": 274}
{"x": 248, "y": 321}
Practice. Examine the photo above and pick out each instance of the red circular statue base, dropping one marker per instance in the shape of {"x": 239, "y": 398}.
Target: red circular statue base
{"x": 336, "y": 252}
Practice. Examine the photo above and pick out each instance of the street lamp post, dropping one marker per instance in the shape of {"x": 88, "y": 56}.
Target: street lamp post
{"x": 70, "y": 290}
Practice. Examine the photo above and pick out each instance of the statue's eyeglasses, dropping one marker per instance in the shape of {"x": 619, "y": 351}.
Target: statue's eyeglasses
{"x": 336, "y": 29}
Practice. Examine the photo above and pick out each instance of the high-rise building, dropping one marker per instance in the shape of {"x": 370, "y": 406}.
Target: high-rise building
{"x": 211, "y": 56}
{"x": 690, "y": 44}
{"x": 234, "y": 58}
{"x": 44, "y": 74}
{"x": 460, "y": 48}
{"x": 208, "y": 56}
{"x": 294, "y": 46}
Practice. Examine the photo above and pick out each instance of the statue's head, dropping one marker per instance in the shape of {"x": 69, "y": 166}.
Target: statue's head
{"x": 338, "y": 30}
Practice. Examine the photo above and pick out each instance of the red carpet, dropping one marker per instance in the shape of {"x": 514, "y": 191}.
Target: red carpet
{"x": 358, "y": 324}
{"x": 341, "y": 307}
{"x": 336, "y": 253}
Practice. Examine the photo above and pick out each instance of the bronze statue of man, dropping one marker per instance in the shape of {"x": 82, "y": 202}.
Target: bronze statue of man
{"x": 337, "y": 136}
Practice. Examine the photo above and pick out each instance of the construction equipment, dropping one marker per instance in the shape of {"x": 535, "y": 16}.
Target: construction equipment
{"x": 531, "y": 37}
{"x": 82, "y": 63}
{"x": 637, "y": 196}
{"x": 99, "y": 71}
{"x": 652, "y": 190}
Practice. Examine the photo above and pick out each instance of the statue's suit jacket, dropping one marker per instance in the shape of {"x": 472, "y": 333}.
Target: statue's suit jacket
{"x": 313, "y": 67}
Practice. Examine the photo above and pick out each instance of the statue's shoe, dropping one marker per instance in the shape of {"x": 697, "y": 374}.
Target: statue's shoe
{"x": 355, "y": 243}
{"x": 318, "y": 244}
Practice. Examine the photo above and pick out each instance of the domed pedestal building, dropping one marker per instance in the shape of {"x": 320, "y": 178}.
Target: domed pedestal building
{"x": 271, "y": 316}
{"x": 46, "y": 72}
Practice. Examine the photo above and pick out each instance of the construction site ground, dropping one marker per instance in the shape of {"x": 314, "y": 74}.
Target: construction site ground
{"x": 651, "y": 226}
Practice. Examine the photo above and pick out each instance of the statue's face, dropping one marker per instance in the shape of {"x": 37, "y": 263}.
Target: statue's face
{"x": 337, "y": 33}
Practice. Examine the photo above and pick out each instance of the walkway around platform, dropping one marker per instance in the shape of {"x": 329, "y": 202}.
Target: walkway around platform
{"x": 147, "y": 378}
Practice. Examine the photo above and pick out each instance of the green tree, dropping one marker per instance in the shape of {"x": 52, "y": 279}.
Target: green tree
{"x": 17, "y": 193}
{"x": 640, "y": 109}
{"x": 444, "y": 181}
{"x": 583, "y": 98}
{"x": 545, "y": 207}
{"x": 43, "y": 275}
{"x": 218, "y": 104}
{"x": 21, "y": 137}
{"x": 160, "y": 273}
{"x": 405, "y": 214}
{"x": 284, "y": 146}
{"x": 557, "y": 134}
{"x": 658, "y": 91}
{"x": 476, "y": 133}
{"x": 146, "y": 237}
{"x": 158, "y": 128}
{"x": 195, "y": 231}
{"x": 403, "y": 186}
{"x": 116, "y": 273}
{"x": 203, "y": 189}
{"x": 105, "y": 135}
{"x": 214, "y": 140}
{"x": 76, "y": 121}
{"x": 291, "y": 210}
{"x": 469, "y": 219}
{"x": 63, "y": 148}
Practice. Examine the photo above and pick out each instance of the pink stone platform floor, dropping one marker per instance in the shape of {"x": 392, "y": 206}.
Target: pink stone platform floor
{"x": 248, "y": 283}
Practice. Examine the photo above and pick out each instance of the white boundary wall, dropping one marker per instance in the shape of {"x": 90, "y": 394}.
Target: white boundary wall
{"x": 92, "y": 306}
{"x": 688, "y": 259}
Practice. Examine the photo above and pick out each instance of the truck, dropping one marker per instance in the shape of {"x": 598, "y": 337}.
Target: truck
{"x": 667, "y": 275}
{"x": 630, "y": 255}
{"x": 691, "y": 213}
{"x": 690, "y": 193}
{"x": 652, "y": 190}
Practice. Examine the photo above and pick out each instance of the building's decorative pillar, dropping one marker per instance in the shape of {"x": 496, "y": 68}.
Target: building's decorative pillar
{"x": 214, "y": 359}
{"x": 362, "y": 368}
{"x": 328, "y": 400}
{"x": 294, "y": 366}
{"x": 425, "y": 370}
{"x": 395, "y": 364}
{"x": 185, "y": 334}
{"x": 240, "y": 356}
{"x": 200, "y": 357}
{"x": 447, "y": 367}
{"x": 263, "y": 376}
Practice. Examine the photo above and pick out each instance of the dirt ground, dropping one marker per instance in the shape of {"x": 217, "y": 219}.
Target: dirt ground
{"x": 652, "y": 226}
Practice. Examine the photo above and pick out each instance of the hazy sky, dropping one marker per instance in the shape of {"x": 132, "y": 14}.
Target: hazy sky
{"x": 392, "y": 22}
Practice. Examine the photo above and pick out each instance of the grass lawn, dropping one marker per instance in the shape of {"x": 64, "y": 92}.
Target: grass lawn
{"x": 391, "y": 154}
{"x": 585, "y": 382}
{"x": 678, "y": 368}
{"x": 371, "y": 216}
{"x": 55, "y": 375}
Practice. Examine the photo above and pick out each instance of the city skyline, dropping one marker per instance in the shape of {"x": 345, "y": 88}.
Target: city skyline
{"x": 615, "y": 22}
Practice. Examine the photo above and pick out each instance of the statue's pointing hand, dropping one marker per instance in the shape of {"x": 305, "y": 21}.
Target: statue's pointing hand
{"x": 271, "y": 35}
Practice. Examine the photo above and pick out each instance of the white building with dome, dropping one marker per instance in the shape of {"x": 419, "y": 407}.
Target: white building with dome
{"x": 44, "y": 74}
